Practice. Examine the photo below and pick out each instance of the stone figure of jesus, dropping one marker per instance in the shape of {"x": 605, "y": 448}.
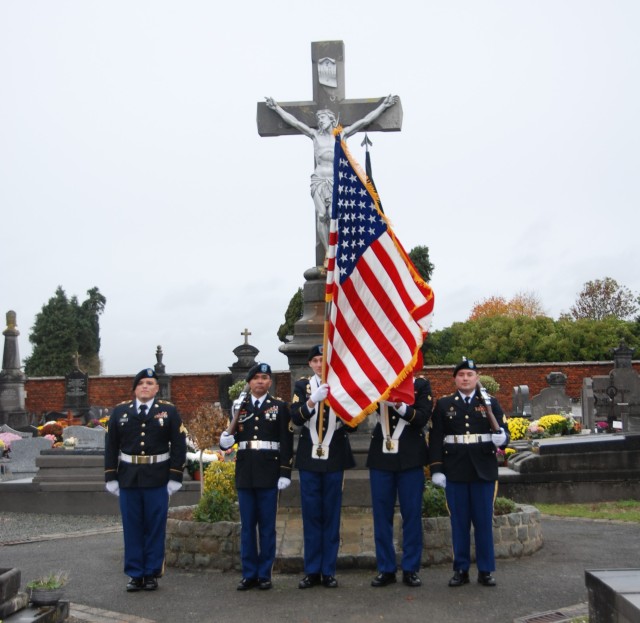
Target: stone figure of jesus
{"x": 323, "y": 147}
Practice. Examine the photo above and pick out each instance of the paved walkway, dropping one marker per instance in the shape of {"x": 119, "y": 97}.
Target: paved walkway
{"x": 550, "y": 581}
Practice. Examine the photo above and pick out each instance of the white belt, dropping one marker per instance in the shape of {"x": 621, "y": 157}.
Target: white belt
{"x": 144, "y": 459}
{"x": 467, "y": 438}
{"x": 256, "y": 444}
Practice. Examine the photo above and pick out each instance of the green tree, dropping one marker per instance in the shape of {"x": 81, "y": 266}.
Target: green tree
{"x": 603, "y": 298}
{"x": 500, "y": 339}
{"x": 62, "y": 329}
{"x": 291, "y": 316}
{"x": 88, "y": 319}
{"x": 420, "y": 257}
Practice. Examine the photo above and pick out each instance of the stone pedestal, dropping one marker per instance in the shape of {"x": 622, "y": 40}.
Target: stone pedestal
{"x": 12, "y": 379}
{"x": 309, "y": 330}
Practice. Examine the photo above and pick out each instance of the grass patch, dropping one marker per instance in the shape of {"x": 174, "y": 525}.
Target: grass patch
{"x": 621, "y": 510}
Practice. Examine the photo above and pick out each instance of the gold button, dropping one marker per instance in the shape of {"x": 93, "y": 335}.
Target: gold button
{"x": 255, "y": 436}
{"x": 142, "y": 434}
{"x": 142, "y": 452}
{"x": 142, "y": 443}
{"x": 143, "y": 425}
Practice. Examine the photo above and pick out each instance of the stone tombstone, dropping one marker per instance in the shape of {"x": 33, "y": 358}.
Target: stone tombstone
{"x": 12, "y": 379}
{"x": 246, "y": 354}
{"x": 24, "y": 453}
{"x": 164, "y": 379}
{"x": 76, "y": 393}
{"x": 552, "y": 399}
{"x": 88, "y": 438}
{"x": 587, "y": 403}
{"x": 7, "y": 429}
{"x": 626, "y": 382}
{"x": 521, "y": 401}
{"x": 617, "y": 395}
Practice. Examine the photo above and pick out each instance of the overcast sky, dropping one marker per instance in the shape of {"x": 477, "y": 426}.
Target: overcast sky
{"x": 130, "y": 158}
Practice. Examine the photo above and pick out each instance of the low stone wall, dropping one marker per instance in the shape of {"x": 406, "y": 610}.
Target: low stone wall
{"x": 192, "y": 544}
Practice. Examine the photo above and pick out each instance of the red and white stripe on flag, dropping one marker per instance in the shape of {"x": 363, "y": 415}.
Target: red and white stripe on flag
{"x": 380, "y": 308}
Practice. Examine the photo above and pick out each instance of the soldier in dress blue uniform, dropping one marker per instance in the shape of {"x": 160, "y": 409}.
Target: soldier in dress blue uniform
{"x": 263, "y": 466}
{"x": 396, "y": 461}
{"x": 145, "y": 453}
{"x": 321, "y": 458}
{"x": 463, "y": 444}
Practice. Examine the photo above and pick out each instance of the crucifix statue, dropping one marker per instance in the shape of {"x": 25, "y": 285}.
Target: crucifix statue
{"x": 318, "y": 118}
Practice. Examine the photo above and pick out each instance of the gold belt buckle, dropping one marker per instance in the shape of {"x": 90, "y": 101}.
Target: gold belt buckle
{"x": 468, "y": 437}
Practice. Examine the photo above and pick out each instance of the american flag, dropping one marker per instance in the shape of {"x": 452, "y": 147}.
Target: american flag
{"x": 379, "y": 308}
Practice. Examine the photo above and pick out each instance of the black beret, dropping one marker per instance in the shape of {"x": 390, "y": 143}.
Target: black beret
{"x": 147, "y": 373}
{"x": 315, "y": 351}
{"x": 465, "y": 364}
{"x": 259, "y": 368}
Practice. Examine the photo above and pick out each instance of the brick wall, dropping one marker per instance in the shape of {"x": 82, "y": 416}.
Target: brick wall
{"x": 46, "y": 394}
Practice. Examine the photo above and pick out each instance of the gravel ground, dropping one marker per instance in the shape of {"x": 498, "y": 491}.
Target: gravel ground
{"x": 29, "y": 527}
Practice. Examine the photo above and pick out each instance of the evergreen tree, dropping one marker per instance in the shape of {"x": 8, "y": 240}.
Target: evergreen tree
{"x": 291, "y": 316}
{"x": 63, "y": 329}
{"x": 420, "y": 257}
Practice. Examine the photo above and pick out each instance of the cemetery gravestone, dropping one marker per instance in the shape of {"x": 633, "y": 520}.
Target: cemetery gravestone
{"x": 12, "y": 379}
{"x": 552, "y": 399}
{"x": 24, "y": 453}
{"x": 87, "y": 438}
{"x": 521, "y": 402}
{"x": 76, "y": 396}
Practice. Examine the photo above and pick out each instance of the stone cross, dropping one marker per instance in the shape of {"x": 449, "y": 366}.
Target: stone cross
{"x": 327, "y": 59}
{"x": 246, "y": 334}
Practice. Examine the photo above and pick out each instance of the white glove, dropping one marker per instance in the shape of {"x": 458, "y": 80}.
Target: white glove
{"x": 283, "y": 483}
{"x": 439, "y": 480}
{"x": 226, "y": 440}
{"x": 499, "y": 439}
{"x": 320, "y": 394}
{"x": 401, "y": 410}
{"x": 113, "y": 487}
{"x": 173, "y": 486}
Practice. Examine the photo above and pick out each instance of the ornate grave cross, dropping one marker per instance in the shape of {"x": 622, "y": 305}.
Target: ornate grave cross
{"x": 246, "y": 334}
{"x": 327, "y": 60}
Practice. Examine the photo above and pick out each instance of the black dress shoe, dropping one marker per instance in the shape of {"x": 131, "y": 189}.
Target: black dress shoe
{"x": 383, "y": 578}
{"x": 135, "y": 584}
{"x": 313, "y": 579}
{"x": 150, "y": 583}
{"x": 486, "y": 579}
{"x": 459, "y": 578}
{"x": 328, "y": 581}
{"x": 411, "y": 578}
{"x": 246, "y": 583}
{"x": 264, "y": 584}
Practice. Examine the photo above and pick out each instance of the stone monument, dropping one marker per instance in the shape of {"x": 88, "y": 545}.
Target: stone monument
{"x": 316, "y": 120}
{"x": 76, "y": 394}
{"x": 12, "y": 379}
{"x": 616, "y": 397}
{"x": 552, "y": 399}
{"x": 246, "y": 354}
{"x": 164, "y": 379}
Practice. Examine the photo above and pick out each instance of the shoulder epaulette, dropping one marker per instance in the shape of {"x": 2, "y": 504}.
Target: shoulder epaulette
{"x": 165, "y": 402}
{"x": 124, "y": 402}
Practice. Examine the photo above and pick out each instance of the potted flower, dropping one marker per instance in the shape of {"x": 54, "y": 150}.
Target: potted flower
{"x": 47, "y": 590}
